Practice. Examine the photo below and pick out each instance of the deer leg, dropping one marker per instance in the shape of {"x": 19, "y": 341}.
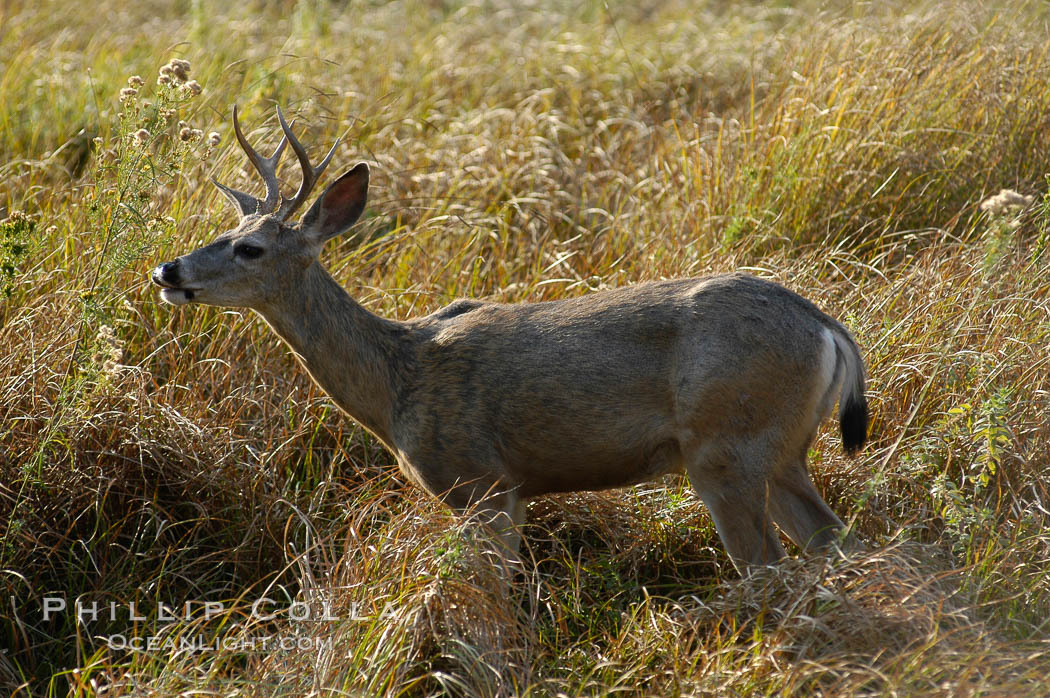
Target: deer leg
{"x": 498, "y": 518}
{"x": 737, "y": 504}
{"x": 800, "y": 512}
{"x": 507, "y": 527}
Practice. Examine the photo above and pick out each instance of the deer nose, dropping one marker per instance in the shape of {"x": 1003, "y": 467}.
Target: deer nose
{"x": 167, "y": 274}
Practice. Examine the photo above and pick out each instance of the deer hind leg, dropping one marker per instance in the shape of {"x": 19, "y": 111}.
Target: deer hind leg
{"x": 734, "y": 491}
{"x": 799, "y": 510}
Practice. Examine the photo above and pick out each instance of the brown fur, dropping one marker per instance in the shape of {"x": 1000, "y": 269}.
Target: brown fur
{"x": 488, "y": 404}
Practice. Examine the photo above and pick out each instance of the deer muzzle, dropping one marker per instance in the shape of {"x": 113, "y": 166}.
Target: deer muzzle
{"x": 166, "y": 276}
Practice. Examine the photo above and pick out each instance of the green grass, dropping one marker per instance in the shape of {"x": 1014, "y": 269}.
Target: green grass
{"x": 524, "y": 152}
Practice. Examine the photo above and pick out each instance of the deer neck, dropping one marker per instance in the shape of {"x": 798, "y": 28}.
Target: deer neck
{"x": 353, "y": 355}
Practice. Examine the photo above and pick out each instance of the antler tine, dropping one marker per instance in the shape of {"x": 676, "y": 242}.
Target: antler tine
{"x": 310, "y": 174}
{"x": 266, "y": 167}
{"x": 246, "y": 203}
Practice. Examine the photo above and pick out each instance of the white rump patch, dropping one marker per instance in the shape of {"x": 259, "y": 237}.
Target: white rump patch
{"x": 830, "y": 381}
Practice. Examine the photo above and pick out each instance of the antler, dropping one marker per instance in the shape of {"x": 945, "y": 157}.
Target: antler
{"x": 310, "y": 174}
{"x": 267, "y": 169}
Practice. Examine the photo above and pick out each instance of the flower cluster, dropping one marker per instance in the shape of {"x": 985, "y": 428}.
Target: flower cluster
{"x": 109, "y": 351}
{"x": 132, "y": 90}
{"x": 177, "y": 74}
{"x": 187, "y": 134}
{"x": 144, "y": 123}
{"x": 177, "y": 71}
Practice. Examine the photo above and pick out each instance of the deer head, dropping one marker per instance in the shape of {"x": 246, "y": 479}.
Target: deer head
{"x": 250, "y": 265}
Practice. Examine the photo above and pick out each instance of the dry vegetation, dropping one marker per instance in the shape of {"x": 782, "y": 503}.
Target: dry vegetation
{"x": 524, "y": 151}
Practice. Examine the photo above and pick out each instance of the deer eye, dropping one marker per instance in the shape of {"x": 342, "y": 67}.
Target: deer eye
{"x": 248, "y": 251}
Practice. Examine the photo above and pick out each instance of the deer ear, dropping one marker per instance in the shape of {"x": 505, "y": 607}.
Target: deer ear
{"x": 339, "y": 206}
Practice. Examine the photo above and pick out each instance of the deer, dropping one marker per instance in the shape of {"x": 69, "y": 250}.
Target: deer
{"x": 486, "y": 405}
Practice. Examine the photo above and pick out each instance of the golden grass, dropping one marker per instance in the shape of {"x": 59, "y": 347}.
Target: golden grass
{"x": 525, "y": 152}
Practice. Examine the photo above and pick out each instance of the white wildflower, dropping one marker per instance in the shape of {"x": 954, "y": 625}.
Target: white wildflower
{"x": 178, "y": 69}
{"x": 109, "y": 351}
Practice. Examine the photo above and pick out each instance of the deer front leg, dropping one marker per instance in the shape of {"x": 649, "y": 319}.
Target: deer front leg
{"x": 492, "y": 507}
{"x": 499, "y": 519}
{"x": 508, "y": 527}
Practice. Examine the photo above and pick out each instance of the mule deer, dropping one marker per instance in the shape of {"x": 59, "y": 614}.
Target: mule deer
{"x": 488, "y": 404}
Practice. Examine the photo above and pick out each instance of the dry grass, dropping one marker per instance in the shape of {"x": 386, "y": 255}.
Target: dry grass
{"x": 531, "y": 151}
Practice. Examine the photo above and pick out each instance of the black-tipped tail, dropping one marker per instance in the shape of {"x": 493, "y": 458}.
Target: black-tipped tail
{"x": 853, "y": 406}
{"x": 853, "y": 422}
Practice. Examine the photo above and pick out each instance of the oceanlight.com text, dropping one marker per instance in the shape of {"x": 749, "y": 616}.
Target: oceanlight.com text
{"x": 198, "y": 643}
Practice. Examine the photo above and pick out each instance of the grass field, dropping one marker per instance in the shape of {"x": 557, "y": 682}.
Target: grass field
{"x": 520, "y": 151}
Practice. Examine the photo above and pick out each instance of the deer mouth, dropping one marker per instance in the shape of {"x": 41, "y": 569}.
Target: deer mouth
{"x": 177, "y": 296}
{"x": 170, "y": 293}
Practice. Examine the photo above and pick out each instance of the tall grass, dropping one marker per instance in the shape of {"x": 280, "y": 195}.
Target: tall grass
{"x": 523, "y": 152}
